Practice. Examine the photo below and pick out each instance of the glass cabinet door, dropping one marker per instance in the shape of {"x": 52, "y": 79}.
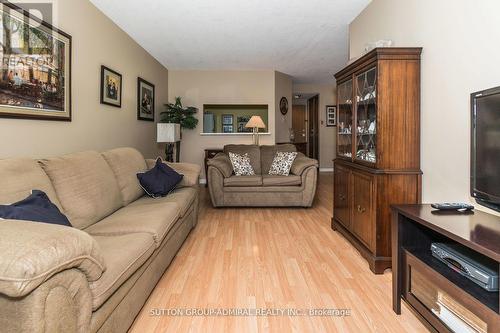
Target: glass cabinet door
{"x": 344, "y": 121}
{"x": 366, "y": 116}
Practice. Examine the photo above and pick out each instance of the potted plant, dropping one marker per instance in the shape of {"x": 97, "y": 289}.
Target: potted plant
{"x": 177, "y": 114}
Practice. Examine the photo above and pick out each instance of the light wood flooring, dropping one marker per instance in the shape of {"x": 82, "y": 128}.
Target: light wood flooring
{"x": 272, "y": 258}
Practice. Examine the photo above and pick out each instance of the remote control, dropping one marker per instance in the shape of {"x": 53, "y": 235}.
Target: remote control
{"x": 452, "y": 206}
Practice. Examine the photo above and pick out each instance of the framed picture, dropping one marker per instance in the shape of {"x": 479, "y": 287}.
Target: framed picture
{"x": 35, "y": 81}
{"x": 111, "y": 87}
{"x": 331, "y": 115}
{"x": 242, "y": 121}
{"x": 227, "y": 119}
{"x": 145, "y": 100}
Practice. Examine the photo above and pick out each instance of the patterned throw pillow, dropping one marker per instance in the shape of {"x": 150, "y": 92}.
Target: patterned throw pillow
{"x": 241, "y": 164}
{"x": 282, "y": 163}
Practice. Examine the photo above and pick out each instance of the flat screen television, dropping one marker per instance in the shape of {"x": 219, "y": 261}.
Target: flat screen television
{"x": 485, "y": 148}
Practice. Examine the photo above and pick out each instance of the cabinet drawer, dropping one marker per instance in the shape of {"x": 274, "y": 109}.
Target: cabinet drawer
{"x": 342, "y": 206}
{"x": 363, "y": 210}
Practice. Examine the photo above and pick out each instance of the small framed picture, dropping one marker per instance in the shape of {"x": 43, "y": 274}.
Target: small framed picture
{"x": 227, "y": 119}
{"x": 145, "y": 100}
{"x": 111, "y": 87}
{"x": 331, "y": 115}
{"x": 227, "y": 128}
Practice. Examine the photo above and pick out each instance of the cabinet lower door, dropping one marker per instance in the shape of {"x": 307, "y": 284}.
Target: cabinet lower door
{"x": 363, "y": 221}
{"x": 342, "y": 207}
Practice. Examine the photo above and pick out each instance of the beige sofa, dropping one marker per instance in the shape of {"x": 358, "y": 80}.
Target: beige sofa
{"x": 262, "y": 189}
{"x": 96, "y": 276}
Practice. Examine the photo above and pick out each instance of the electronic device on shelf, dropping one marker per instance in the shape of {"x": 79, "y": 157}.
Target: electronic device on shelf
{"x": 468, "y": 263}
{"x": 452, "y": 206}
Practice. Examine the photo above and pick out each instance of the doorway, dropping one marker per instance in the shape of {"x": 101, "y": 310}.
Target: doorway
{"x": 305, "y": 123}
{"x": 313, "y": 127}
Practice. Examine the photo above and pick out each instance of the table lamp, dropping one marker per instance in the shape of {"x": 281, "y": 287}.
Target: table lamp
{"x": 168, "y": 133}
{"x": 255, "y": 122}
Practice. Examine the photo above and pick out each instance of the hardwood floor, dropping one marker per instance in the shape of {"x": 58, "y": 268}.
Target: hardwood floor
{"x": 272, "y": 258}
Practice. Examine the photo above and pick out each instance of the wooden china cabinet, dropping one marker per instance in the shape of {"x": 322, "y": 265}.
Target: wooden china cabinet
{"x": 377, "y": 162}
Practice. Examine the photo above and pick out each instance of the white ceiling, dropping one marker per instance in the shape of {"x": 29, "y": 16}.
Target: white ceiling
{"x": 305, "y": 39}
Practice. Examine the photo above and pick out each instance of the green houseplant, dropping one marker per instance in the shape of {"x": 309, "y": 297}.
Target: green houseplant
{"x": 177, "y": 114}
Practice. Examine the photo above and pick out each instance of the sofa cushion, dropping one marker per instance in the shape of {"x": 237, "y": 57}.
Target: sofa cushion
{"x": 190, "y": 171}
{"x": 15, "y": 187}
{"x": 282, "y": 163}
{"x": 255, "y": 180}
{"x": 126, "y": 163}
{"x": 267, "y": 154}
{"x": 274, "y": 180}
{"x": 156, "y": 221}
{"x": 253, "y": 152}
{"x": 123, "y": 255}
{"x": 160, "y": 180}
{"x": 37, "y": 207}
{"x": 85, "y": 185}
{"x": 241, "y": 164}
{"x": 182, "y": 197}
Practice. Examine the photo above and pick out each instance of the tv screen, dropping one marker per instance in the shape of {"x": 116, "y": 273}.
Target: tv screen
{"x": 485, "y": 166}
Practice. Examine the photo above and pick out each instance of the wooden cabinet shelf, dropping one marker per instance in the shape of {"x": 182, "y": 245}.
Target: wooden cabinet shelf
{"x": 378, "y": 147}
{"x": 486, "y": 298}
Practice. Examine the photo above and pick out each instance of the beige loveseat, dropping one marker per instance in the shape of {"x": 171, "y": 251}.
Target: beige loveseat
{"x": 262, "y": 189}
{"x": 96, "y": 276}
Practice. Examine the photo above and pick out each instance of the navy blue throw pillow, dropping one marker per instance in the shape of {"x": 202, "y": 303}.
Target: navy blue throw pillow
{"x": 37, "y": 207}
{"x": 159, "y": 181}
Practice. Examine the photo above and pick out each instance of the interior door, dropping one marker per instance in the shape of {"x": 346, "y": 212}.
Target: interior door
{"x": 299, "y": 123}
{"x": 313, "y": 124}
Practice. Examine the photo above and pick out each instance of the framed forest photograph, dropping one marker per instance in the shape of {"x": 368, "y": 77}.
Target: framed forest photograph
{"x": 35, "y": 80}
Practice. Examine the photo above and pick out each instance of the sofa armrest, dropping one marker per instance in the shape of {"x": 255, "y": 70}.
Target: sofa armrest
{"x": 222, "y": 162}
{"x": 33, "y": 252}
{"x": 190, "y": 171}
{"x": 301, "y": 163}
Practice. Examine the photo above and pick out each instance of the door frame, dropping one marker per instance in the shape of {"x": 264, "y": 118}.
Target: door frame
{"x": 313, "y": 127}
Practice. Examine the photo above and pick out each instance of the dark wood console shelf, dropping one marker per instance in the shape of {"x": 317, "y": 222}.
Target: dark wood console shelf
{"x": 430, "y": 288}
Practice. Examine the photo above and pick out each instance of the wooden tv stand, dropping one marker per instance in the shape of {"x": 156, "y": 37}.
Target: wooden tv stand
{"x": 429, "y": 287}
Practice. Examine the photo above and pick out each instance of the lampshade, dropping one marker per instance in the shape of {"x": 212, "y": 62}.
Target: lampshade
{"x": 167, "y": 132}
{"x": 255, "y": 121}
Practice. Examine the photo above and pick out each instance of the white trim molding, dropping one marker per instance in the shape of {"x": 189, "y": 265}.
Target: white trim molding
{"x": 233, "y": 134}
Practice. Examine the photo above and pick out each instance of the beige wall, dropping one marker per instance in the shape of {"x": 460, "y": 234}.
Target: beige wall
{"x": 96, "y": 41}
{"x": 460, "y": 51}
{"x": 327, "y": 139}
{"x": 220, "y": 87}
{"x": 283, "y": 88}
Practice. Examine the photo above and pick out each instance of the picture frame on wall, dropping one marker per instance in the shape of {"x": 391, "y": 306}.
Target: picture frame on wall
{"x": 111, "y": 87}
{"x": 227, "y": 123}
{"x": 331, "y": 115}
{"x": 36, "y": 71}
{"x": 145, "y": 100}
{"x": 242, "y": 121}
